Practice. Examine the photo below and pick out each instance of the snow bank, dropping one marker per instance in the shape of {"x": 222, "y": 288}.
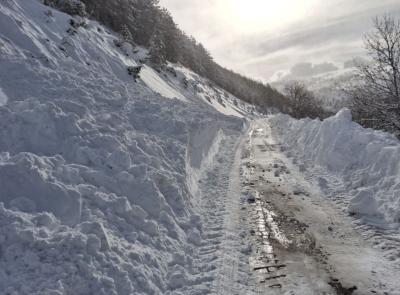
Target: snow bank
{"x": 366, "y": 162}
{"x": 96, "y": 171}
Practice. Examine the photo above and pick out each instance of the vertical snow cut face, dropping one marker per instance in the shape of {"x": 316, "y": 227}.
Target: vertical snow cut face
{"x": 94, "y": 194}
{"x": 358, "y": 166}
{"x": 3, "y": 97}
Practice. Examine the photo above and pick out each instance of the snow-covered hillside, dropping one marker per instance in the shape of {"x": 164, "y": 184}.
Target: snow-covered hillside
{"x": 357, "y": 167}
{"x": 99, "y": 173}
{"x": 329, "y": 88}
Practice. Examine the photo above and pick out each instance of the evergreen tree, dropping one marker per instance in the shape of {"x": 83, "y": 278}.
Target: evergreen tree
{"x": 145, "y": 18}
{"x": 157, "y": 50}
{"x": 171, "y": 35}
{"x": 126, "y": 34}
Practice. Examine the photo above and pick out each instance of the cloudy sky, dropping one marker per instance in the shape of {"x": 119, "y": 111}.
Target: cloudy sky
{"x": 261, "y": 38}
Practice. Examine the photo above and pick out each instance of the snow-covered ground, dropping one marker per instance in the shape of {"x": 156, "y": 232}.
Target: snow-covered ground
{"x": 99, "y": 174}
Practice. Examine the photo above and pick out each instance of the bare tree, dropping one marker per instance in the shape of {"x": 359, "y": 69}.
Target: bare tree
{"x": 302, "y": 102}
{"x": 376, "y": 101}
{"x": 383, "y": 46}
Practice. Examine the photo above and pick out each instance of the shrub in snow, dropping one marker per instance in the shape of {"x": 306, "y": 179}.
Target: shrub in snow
{"x": 172, "y": 71}
{"x": 77, "y": 22}
{"x": 118, "y": 42}
{"x": 134, "y": 72}
{"x": 185, "y": 82}
{"x": 221, "y": 101}
{"x": 75, "y": 25}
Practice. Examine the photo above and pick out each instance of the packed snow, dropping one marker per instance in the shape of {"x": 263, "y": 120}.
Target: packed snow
{"x": 359, "y": 167}
{"x": 98, "y": 173}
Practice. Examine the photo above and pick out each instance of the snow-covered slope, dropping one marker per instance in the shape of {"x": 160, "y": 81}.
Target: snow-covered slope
{"x": 329, "y": 88}
{"x": 158, "y": 85}
{"x": 98, "y": 173}
{"x": 203, "y": 89}
{"x": 360, "y": 168}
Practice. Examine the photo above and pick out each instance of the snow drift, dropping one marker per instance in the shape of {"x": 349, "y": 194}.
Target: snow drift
{"x": 97, "y": 172}
{"x": 360, "y": 165}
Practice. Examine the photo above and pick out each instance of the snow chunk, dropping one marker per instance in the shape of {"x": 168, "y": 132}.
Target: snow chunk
{"x": 344, "y": 115}
{"x": 97, "y": 229}
{"x": 27, "y": 184}
{"x": 364, "y": 203}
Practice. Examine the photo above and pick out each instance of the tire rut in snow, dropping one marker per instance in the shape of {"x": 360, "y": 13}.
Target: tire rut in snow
{"x": 221, "y": 264}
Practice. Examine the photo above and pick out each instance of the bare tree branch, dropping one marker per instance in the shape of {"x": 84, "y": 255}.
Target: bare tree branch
{"x": 376, "y": 102}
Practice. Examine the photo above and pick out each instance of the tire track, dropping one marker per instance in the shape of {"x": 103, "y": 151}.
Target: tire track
{"x": 221, "y": 264}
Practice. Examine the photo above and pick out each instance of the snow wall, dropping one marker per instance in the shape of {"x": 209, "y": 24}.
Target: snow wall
{"x": 360, "y": 166}
{"x": 97, "y": 173}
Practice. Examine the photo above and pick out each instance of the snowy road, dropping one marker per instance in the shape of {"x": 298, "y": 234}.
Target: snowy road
{"x": 111, "y": 187}
{"x": 268, "y": 231}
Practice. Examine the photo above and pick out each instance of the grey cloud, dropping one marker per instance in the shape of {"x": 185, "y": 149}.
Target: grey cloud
{"x": 349, "y": 64}
{"x": 333, "y": 34}
{"x": 337, "y": 30}
{"x": 309, "y": 69}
